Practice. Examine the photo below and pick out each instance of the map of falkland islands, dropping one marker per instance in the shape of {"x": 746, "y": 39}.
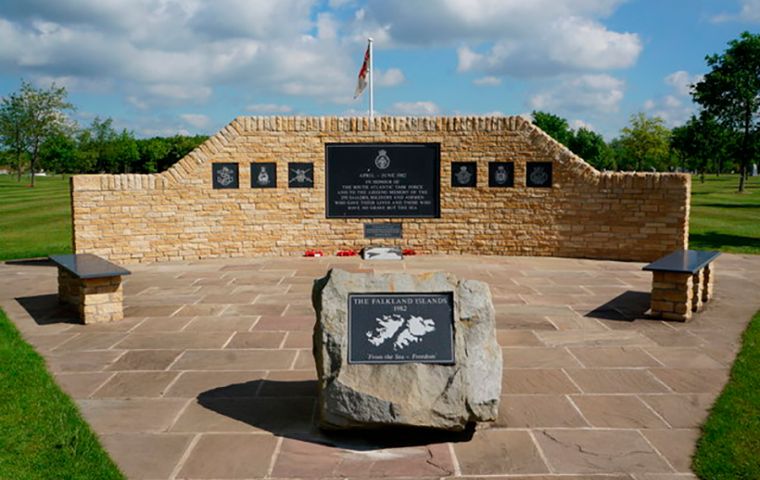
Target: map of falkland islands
{"x": 403, "y": 332}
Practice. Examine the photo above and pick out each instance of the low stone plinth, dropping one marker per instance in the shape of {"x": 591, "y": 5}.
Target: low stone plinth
{"x": 429, "y": 357}
{"x": 96, "y": 300}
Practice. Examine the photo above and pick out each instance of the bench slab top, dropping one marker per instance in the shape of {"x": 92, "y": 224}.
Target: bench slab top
{"x": 87, "y": 265}
{"x": 682, "y": 261}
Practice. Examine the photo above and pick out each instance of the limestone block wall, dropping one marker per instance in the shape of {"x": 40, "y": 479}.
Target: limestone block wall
{"x": 177, "y": 215}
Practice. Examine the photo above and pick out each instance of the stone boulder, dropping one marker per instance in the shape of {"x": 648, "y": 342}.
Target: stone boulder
{"x": 438, "y": 395}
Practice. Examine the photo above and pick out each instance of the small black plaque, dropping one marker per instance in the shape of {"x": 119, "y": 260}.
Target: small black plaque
{"x": 225, "y": 175}
{"x": 301, "y": 175}
{"x": 538, "y": 174}
{"x": 501, "y": 174}
{"x": 382, "y": 230}
{"x": 401, "y": 328}
{"x": 464, "y": 174}
{"x": 264, "y": 175}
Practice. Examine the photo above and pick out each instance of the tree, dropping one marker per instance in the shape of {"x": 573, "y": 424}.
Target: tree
{"x": 12, "y": 127}
{"x": 731, "y": 93}
{"x": 556, "y": 127}
{"x": 591, "y": 147}
{"x": 59, "y": 154}
{"x": 646, "y": 143}
{"x": 702, "y": 144}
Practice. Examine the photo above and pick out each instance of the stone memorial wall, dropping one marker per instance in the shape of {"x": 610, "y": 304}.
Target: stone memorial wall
{"x": 474, "y": 185}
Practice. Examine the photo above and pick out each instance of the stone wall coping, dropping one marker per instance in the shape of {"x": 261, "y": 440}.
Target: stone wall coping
{"x": 174, "y": 176}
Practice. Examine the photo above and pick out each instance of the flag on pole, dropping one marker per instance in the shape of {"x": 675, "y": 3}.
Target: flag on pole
{"x": 361, "y": 82}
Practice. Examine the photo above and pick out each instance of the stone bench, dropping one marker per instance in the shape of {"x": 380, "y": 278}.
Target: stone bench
{"x": 682, "y": 283}
{"x": 92, "y": 285}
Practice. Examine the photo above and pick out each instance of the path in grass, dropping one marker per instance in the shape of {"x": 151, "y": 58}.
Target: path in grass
{"x": 722, "y": 219}
{"x": 43, "y": 435}
{"x": 34, "y": 222}
{"x": 730, "y": 444}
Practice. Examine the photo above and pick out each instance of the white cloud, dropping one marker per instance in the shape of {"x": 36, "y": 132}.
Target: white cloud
{"x": 681, "y": 81}
{"x": 584, "y": 93}
{"x": 389, "y": 78}
{"x": 750, "y": 12}
{"x": 487, "y": 81}
{"x": 269, "y": 108}
{"x": 197, "y": 120}
{"x": 578, "y": 124}
{"x": 415, "y": 108}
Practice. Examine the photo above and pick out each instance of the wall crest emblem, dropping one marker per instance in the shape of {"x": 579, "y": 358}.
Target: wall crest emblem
{"x": 382, "y": 161}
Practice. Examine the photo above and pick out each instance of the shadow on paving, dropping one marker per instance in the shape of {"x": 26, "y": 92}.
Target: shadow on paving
{"x": 285, "y": 408}
{"x": 626, "y": 307}
{"x": 46, "y": 309}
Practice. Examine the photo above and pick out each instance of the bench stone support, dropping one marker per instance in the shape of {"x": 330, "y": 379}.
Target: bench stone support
{"x": 672, "y": 295}
{"x": 698, "y": 284}
{"x": 97, "y": 300}
{"x": 708, "y": 282}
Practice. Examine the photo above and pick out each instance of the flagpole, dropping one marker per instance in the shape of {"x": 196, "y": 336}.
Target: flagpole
{"x": 371, "y": 83}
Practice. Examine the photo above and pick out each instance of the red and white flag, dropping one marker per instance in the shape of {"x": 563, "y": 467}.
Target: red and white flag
{"x": 361, "y": 82}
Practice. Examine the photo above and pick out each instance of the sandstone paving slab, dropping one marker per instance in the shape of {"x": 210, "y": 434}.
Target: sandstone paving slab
{"x": 230, "y": 359}
{"x": 291, "y": 323}
{"x": 674, "y": 338}
{"x": 676, "y": 445}
{"x": 599, "y": 451}
{"x": 174, "y": 340}
{"x": 221, "y": 324}
{"x": 134, "y": 415}
{"x": 510, "y": 321}
{"x": 617, "y": 411}
{"x": 146, "y": 455}
{"x": 229, "y": 456}
{"x": 91, "y": 341}
{"x": 304, "y": 361}
{"x": 292, "y": 383}
{"x": 604, "y": 380}
{"x": 150, "y": 310}
{"x": 200, "y": 309}
{"x": 47, "y": 342}
{"x": 135, "y": 384}
{"x": 518, "y": 381}
{"x": 537, "y": 357}
{"x": 681, "y": 410}
{"x": 493, "y": 452}
{"x": 298, "y": 340}
{"x": 236, "y": 310}
{"x": 300, "y": 459}
{"x": 81, "y": 385}
{"x": 576, "y": 323}
{"x": 538, "y": 411}
{"x": 145, "y": 360}
{"x": 693, "y": 380}
{"x": 262, "y": 339}
{"x": 578, "y": 338}
{"x": 235, "y": 384}
{"x": 88, "y": 361}
{"x": 614, "y": 357}
{"x": 683, "y": 357}
{"x": 517, "y": 338}
{"x": 161, "y": 324}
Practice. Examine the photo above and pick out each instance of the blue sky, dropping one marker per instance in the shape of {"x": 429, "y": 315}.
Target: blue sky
{"x": 160, "y": 67}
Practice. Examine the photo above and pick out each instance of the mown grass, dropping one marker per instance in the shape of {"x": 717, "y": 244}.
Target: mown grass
{"x": 42, "y": 434}
{"x": 730, "y": 444}
{"x": 34, "y": 222}
{"x": 722, "y": 219}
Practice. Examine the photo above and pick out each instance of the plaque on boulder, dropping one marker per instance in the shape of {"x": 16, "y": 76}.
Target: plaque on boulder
{"x": 224, "y": 175}
{"x": 538, "y": 174}
{"x": 397, "y": 349}
{"x": 301, "y": 175}
{"x": 464, "y": 174}
{"x": 501, "y": 174}
{"x": 264, "y": 175}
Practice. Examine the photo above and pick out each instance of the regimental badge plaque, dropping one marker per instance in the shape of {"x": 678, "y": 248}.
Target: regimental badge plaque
{"x": 464, "y": 174}
{"x": 538, "y": 174}
{"x": 225, "y": 175}
{"x": 264, "y": 175}
{"x": 501, "y": 174}
{"x": 401, "y": 328}
{"x": 301, "y": 175}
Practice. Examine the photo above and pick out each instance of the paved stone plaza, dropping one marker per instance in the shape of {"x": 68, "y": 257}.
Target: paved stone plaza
{"x": 211, "y": 374}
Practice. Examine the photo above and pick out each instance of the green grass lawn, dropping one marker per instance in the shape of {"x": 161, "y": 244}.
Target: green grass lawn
{"x": 722, "y": 219}
{"x": 42, "y": 434}
{"x": 730, "y": 444}
{"x": 34, "y": 222}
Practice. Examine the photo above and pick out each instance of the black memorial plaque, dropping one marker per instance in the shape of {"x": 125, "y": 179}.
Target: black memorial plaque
{"x": 301, "y": 175}
{"x": 538, "y": 174}
{"x": 501, "y": 174}
{"x": 401, "y": 328}
{"x": 224, "y": 175}
{"x": 392, "y": 180}
{"x": 464, "y": 174}
{"x": 264, "y": 175}
{"x": 382, "y": 230}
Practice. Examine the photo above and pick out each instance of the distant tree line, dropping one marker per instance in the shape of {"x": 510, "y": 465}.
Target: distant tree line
{"x": 723, "y": 136}
{"x": 36, "y": 133}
